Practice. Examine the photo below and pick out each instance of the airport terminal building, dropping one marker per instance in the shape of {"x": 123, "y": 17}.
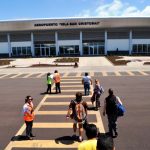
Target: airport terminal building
{"x": 75, "y": 37}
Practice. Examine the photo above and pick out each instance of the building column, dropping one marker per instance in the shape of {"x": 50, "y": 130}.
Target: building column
{"x": 9, "y": 44}
{"x": 105, "y": 49}
{"x": 130, "y": 42}
{"x": 80, "y": 44}
{"x": 32, "y": 44}
{"x": 56, "y": 43}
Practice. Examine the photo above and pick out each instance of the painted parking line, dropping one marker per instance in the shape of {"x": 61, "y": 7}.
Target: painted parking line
{"x": 40, "y": 75}
{"x": 117, "y": 73}
{"x": 143, "y": 73}
{"x": 28, "y": 75}
{"x": 130, "y": 73}
{"x": 104, "y": 73}
{"x": 5, "y": 75}
{"x": 17, "y": 75}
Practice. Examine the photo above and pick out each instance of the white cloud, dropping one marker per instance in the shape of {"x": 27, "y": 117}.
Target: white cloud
{"x": 115, "y": 8}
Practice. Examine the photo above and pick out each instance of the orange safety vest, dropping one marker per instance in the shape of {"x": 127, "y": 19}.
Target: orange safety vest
{"x": 29, "y": 115}
{"x": 57, "y": 77}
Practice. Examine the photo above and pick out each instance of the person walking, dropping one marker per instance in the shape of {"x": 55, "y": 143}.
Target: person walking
{"x": 57, "y": 79}
{"x": 49, "y": 82}
{"x": 78, "y": 108}
{"x": 86, "y": 81}
{"x": 28, "y": 113}
{"x": 97, "y": 92}
{"x": 110, "y": 108}
{"x": 91, "y": 143}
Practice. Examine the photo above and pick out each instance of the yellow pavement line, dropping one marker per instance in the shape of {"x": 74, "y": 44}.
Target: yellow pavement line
{"x": 65, "y": 75}
{"x": 5, "y": 75}
{"x": 73, "y": 90}
{"x": 40, "y": 75}
{"x": 72, "y": 85}
{"x": 64, "y": 82}
{"x": 78, "y": 74}
{"x": 59, "y": 112}
{"x": 104, "y": 73}
{"x": 60, "y": 103}
{"x": 43, "y": 144}
{"x": 28, "y": 75}
{"x": 64, "y": 96}
{"x": 56, "y": 125}
{"x": 72, "y": 79}
{"x": 91, "y": 73}
{"x": 143, "y": 73}
{"x": 130, "y": 73}
{"x": 16, "y": 75}
{"x": 100, "y": 122}
{"x": 117, "y": 73}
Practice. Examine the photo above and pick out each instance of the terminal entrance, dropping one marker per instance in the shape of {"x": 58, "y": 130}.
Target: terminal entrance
{"x": 66, "y": 50}
{"x": 93, "y": 49}
{"x": 45, "y": 50}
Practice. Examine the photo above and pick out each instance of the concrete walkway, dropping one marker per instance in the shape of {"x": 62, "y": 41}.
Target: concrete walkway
{"x": 95, "y": 64}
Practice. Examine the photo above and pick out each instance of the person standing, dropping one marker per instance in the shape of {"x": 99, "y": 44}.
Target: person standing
{"x": 78, "y": 108}
{"x": 28, "y": 113}
{"x": 57, "y": 81}
{"x": 98, "y": 90}
{"x": 91, "y": 143}
{"x": 86, "y": 81}
{"x": 110, "y": 108}
{"x": 49, "y": 82}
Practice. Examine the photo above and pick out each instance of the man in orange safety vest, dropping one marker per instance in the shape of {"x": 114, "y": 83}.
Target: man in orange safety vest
{"x": 57, "y": 81}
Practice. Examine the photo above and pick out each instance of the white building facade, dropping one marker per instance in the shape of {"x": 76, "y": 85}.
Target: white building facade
{"x": 75, "y": 37}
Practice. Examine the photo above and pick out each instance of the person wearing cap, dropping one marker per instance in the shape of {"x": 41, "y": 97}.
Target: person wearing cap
{"x": 28, "y": 113}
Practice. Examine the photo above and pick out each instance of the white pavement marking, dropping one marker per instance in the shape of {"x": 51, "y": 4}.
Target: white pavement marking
{"x": 104, "y": 73}
{"x": 28, "y": 75}
{"x": 117, "y": 73}
{"x": 143, "y": 73}
{"x": 40, "y": 75}
{"x": 15, "y": 76}
{"x": 5, "y": 75}
{"x": 65, "y": 74}
{"x": 130, "y": 73}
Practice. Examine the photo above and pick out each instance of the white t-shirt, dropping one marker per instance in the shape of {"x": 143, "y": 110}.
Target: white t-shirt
{"x": 86, "y": 79}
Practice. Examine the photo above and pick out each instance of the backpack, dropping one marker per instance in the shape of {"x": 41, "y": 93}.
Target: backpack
{"x": 80, "y": 113}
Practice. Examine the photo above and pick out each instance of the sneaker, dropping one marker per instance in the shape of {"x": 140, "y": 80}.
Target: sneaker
{"x": 80, "y": 139}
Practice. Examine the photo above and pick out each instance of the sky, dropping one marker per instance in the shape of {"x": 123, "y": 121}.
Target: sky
{"x": 35, "y": 9}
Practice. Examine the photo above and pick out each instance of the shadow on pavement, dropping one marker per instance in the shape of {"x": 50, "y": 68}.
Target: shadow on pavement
{"x": 19, "y": 138}
{"x": 67, "y": 140}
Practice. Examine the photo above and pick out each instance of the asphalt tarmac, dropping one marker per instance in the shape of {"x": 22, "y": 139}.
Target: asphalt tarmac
{"x": 133, "y": 128}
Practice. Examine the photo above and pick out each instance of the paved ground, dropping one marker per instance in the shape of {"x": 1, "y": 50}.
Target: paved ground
{"x": 50, "y": 123}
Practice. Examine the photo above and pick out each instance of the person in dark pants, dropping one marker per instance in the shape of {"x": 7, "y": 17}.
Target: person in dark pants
{"x": 86, "y": 81}
{"x": 28, "y": 113}
{"x": 49, "y": 82}
{"x": 57, "y": 81}
{"x": 110, "y": 108}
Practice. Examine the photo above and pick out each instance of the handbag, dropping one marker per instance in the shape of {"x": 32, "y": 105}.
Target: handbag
{"x": 120, "y": 110}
